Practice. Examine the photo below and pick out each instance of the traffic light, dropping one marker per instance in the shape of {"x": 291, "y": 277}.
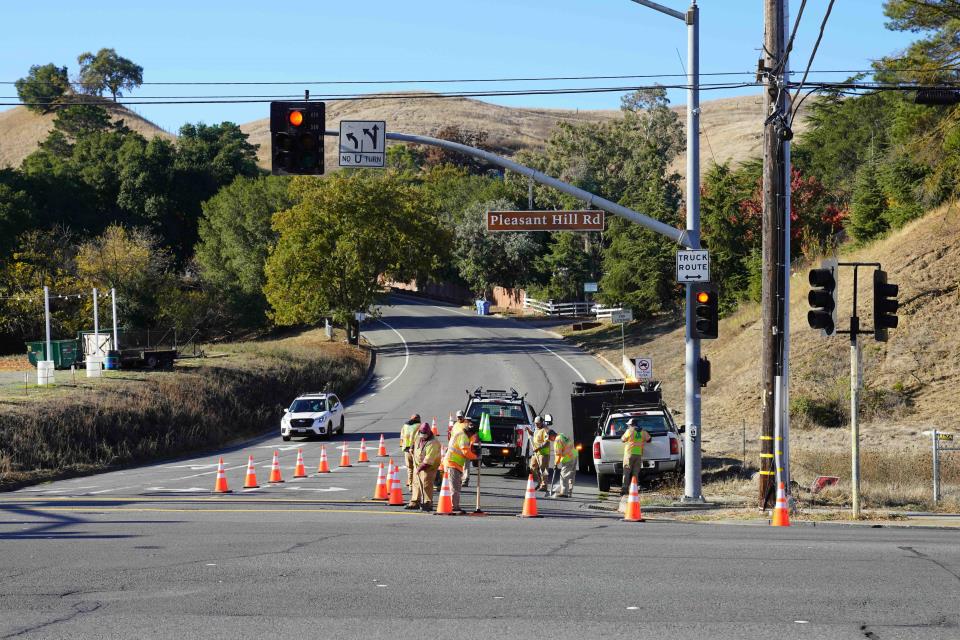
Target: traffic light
{"x": 885, "y": 305}
{"x": 296, "y": 138}
{"x": 823, "y": 298}
{"x": 706, "y": 311}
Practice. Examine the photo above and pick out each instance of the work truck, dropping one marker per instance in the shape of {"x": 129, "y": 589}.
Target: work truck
{"x": 600, "y": 413}
{"x": 511, "y": 423}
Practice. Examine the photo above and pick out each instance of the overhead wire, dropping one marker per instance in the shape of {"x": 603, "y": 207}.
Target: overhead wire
{"x": 813, "y": 54}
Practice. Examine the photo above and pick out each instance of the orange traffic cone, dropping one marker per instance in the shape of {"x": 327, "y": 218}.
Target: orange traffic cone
{"x": 781, "y": 514}
{"x": 530, "y": 500}
{"x": 221, "y": 484}
{"x": 449, "y": 426}
{"x": 275, "y": 476}
{"x": 633, "y": 513}
{"x": 433, "y": 427}
{"x": 299, "y": 471}
{"x": 396, "y": 493}
{"x": 345, "y": 456}
{"x": 250, "y": 481}
{"x": 380, "y": 491}
{"x": 363, "y": 451}
{"x": 324, "y": 465}
{"x": 382, "y": 451}
{"x": 445, "y": 504}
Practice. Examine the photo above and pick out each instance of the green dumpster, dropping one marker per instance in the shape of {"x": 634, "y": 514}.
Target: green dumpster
{"x": 66, "y": 353}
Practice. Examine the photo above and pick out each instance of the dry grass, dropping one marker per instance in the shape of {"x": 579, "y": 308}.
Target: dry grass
{"x": 143, "y": 416}
{"x": 22, "y": 130}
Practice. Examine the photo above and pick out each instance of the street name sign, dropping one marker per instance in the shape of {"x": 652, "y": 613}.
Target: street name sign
{"x": 363, "y": 143}
{"x": 545, "y": 220}
{"x": 693, "y": 266}
{"x": 621, "y": 316}
{"x": 589, "y": 287}
{"x": 644, "y": 368}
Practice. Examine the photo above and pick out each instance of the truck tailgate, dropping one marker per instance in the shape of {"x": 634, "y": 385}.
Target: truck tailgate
{"x": 611, "y": 449}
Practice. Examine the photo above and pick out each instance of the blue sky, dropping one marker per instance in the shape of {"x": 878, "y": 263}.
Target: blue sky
{"x": 323, "y": 40}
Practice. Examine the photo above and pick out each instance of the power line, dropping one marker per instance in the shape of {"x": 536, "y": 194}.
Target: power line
{"x": 823, "y": 26}
{"x": 388, "y": 96}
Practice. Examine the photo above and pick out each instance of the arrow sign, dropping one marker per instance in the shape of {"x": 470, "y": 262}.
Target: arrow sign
{"x": 693, "y": 266}
{"x": 353, "y": 138}
{"x": 362, "y": 143}
{"x": 372, "y": 136}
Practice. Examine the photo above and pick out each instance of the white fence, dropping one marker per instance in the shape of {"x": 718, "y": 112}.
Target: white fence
{"x": 569, "y": 309}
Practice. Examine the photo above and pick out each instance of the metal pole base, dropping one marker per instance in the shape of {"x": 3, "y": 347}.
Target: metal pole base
{"x": 689, "y": 500}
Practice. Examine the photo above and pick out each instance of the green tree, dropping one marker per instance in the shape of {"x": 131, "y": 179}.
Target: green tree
{"x": 78, "y": 119}
{"x": 868, "y": 211}
{"x": 107, "y": 71}
{"x": 18, "y": 211}
{"x": 43, "y": 87}
{"x": 235, "y": 239}
{"x": 567, "y": 264}
{"x": 727, "y": 232}
{"x": 344, "y": 233}
{"x": 487, "y": 259}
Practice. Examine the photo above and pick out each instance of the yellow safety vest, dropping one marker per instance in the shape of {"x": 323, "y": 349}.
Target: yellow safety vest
{"x": 458, "y": 452}
{"x": 427, "y": 452}
{"x": 458, "y": 427}
{"x": 632, "y": 443}
{"x": 563, "y": 449}
{"x": 541, "y": 442}
{"x": 407, "y": 434}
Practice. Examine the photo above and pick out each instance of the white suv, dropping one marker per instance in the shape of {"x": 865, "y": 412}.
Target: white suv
{"x": 312, "y": 414}
{"x": 662, "y": 454}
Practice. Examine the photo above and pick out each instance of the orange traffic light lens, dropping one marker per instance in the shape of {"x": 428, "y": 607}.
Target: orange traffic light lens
{"x": 296, "y": 118}
{"x": 703, "y": 297}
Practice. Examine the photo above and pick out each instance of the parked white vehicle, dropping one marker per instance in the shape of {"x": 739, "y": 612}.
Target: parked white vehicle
{"x": 312, "y": 414}
{"x": 660, "y": 455}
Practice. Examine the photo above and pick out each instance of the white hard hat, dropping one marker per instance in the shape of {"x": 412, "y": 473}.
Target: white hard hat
{"x": 538, "y": 420}
{"x": 459, "y": 413}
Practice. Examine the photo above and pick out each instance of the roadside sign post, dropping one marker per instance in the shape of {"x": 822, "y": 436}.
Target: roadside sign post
{"x": 938, "y": 440}
{"x": 363, "y": 143}
{"x": 622, "y": 317}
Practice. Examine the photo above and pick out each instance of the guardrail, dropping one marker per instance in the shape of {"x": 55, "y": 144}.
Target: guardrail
{"x": 570, "y": 309}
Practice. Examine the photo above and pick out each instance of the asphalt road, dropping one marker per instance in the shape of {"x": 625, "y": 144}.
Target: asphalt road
{"x": 150, "y": 553}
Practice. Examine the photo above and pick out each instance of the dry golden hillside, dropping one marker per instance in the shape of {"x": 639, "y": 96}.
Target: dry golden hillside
{"x": 910, "y": 382}
{"x": 731, "y": 128}
{"x": 22, "y": 130}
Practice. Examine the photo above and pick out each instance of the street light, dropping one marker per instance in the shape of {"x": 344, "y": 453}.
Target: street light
{"x": 692, "y": 486}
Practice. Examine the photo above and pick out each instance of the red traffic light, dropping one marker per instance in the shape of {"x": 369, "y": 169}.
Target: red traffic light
{"x": 295, "y": 118}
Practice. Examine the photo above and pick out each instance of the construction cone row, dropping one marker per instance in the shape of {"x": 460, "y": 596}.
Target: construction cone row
{"x": 781, "y": 514}
{"x": 433, "y": 427}
{"x": 445, "y": 504}
{"x": 633, "y": 513}
{"x": 275, "y": 476}
{"x": 324, "y": 466}
{"x": 363, "y": 451}
{"x": 380, "y": 490}
{"x": 221, "y": 484}
{"x": 382, "y": 451}
{"x": 530, "y": 500}
{"x": 396, "y": 493}
{"x": 299, "y": 471}
{"x": 345, "y": 456}
{"x": 250, "y": 481}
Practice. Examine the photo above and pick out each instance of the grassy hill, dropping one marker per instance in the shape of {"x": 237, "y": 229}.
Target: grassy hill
{"x": 731, "y": 127}
{"x": 22, "y": 130}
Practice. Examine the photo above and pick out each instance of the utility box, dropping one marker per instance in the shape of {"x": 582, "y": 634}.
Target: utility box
{"x": 96, "y": 344}
{"x": 66, "y": 353}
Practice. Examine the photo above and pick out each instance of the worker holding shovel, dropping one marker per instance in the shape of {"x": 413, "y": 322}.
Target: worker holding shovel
{"x": 426, "y": 461}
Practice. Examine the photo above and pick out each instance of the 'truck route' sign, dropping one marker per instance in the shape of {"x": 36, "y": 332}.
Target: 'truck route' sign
{"x": 545, "y": 220}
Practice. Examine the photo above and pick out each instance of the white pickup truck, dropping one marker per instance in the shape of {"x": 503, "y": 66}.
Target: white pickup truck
{"x": 661, "y": 454}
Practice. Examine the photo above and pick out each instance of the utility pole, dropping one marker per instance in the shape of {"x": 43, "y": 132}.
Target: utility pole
{"x": 774, "y": 189}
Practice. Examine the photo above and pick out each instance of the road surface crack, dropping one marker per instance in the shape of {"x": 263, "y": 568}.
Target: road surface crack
{"x": 79, "y": 608}
{"x": 565, "y": 545}
{"x": 924, "y": 556}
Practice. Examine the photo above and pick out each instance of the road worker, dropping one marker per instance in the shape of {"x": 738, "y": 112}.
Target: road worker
{"x": 459, "y": 426}
{"x": 460, "y": 452}
{"x": 426, "y": 458}
{"x": 565, "y": 459}
{"x": 540, "y": 460}
{"x": 633, "y": 440}
{"x": 408, "y": 434}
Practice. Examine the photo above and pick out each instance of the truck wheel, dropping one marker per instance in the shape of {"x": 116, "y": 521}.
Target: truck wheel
{"x": 341, "y": 425}
{"x": 286, "y": 438}
{"x": 152, "y": 362}
{"x": 603, "y": 483}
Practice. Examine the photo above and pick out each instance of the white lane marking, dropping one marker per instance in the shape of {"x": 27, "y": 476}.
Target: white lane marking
{"x": 210, "y": 473}
{"x": 323, "y": 490}
{"x": 192, "y": 467}
{"x": 190, "y": 490}
{"x": 406, "y": 354}
{"x": 566, "y": 362}
{"x": 93, "y": 493}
